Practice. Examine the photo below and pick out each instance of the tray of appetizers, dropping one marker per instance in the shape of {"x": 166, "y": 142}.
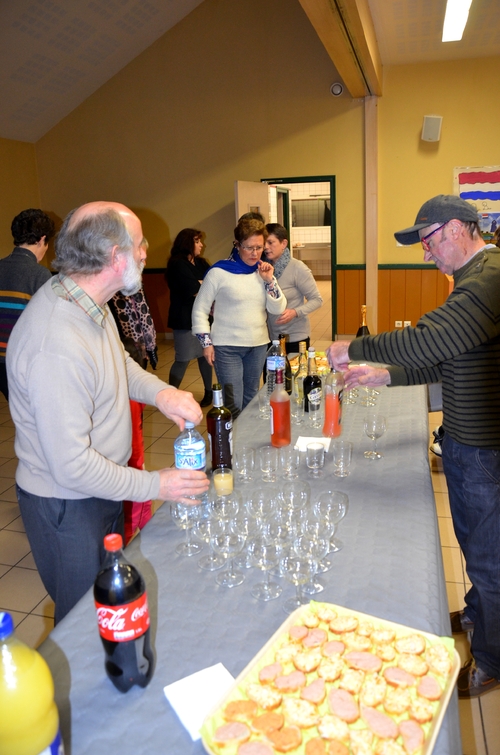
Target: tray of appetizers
{"x": 333, "y": 681}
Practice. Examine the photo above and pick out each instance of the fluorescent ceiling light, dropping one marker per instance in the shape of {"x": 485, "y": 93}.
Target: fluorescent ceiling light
{"x": 457, "y": 13}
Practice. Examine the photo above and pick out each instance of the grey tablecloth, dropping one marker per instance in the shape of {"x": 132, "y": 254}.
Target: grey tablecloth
{"x": 390, "y": 567}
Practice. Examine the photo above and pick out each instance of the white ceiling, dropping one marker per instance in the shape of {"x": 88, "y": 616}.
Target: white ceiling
{"x": 409, "y": 31}
{"x": 56, "y": 53}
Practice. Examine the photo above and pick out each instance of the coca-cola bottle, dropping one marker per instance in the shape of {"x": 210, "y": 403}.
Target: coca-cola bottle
{"x": 123, "y": 619}
{"x": 220, "y": 431}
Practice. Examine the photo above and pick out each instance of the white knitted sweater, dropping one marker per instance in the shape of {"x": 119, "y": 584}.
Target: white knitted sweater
{"x": 240, "y": 310}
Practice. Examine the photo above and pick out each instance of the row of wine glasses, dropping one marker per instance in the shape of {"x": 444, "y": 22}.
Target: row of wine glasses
{"x": 277, "y": 530}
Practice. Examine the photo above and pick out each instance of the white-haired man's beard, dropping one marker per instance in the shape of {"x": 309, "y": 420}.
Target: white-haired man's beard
{"x": 132, "y": 277}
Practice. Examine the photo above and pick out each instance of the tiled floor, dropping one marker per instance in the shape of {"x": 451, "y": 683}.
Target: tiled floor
{"x": 22, "y": 592}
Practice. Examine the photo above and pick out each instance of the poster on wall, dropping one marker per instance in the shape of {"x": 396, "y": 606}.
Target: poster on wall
{"x": 481, "y": 187}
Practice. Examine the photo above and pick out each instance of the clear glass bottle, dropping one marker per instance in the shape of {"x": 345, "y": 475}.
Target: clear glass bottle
{"x": 281, "y": 433}
{"x": 301, "y": 371}
{"x": 312, "y": 391}
{"x": 220, "y": 431}
{"x": 333, "y": 390}
{"x": 363, "y": 328}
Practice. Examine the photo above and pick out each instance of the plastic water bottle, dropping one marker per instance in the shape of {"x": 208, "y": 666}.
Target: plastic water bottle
{"x": 274, "y": 361}
{"x": 190, "y": 452}
{"x": 29, "y": 721}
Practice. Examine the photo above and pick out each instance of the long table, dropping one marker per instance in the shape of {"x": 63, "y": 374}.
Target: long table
{"x": 390, "y": 566}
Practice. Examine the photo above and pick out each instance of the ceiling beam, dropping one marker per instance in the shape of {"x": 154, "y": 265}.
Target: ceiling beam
{"x": 345, "y": 28}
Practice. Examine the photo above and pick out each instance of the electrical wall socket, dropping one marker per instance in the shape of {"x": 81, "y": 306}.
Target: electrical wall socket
{"x": 398, "y": 324}
{"x": 406, "y": 323}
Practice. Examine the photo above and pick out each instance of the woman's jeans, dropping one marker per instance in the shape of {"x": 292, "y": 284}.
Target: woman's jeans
{"x": 239, "y": 369}
{"x": 473, "y": 479}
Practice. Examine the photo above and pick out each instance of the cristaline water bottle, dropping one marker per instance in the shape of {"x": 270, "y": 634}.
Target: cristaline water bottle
{"x": 288, "y": 369}
{"x": 29, "y": 722}
{"x": 220, "y": 431}
{"x": 273, "y": 361}
{"x": 281, "y": 434}
{"x": 190, "y": 452}
{"x": 333, "y": 391}
{"x": 123, "y": 618}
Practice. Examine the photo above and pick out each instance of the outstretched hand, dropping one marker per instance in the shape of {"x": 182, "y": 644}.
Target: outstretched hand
{"x": 338, "y": 355}
{"x": 179, "y": 406}
{"x": 363, "y": 374}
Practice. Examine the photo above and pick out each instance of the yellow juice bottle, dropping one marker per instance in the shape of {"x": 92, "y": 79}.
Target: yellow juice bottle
{"x": 29, "y": 721}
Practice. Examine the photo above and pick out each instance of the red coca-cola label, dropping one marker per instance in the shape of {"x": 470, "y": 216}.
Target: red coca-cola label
{"x": 123, "y": 623}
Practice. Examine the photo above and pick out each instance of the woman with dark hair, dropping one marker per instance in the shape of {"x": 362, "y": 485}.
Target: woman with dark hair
{"x": 242, "y": 290}
{"x": 185, "y": 272}
{"x": 298, "y": 285}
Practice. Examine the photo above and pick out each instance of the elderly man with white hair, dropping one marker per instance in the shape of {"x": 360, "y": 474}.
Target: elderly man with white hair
{"x": 70, "y": 382}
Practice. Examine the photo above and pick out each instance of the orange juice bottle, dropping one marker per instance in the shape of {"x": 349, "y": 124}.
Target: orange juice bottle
{"x": 333, "y": 391}
{"x": 29, "y": 721}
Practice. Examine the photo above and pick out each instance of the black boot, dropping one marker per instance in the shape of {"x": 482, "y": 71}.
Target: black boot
{"x": 207, "y": 399}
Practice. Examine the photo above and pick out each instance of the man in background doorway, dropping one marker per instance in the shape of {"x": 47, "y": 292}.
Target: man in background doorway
{"x": 21, "y": 274}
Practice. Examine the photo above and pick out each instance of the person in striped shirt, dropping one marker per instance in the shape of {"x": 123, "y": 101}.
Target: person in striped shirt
{"x": 458, "y": 343}
{"x": 21, "y": 274}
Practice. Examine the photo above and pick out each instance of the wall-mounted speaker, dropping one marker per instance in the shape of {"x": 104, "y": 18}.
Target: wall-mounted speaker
{"x": 431, "y": 130}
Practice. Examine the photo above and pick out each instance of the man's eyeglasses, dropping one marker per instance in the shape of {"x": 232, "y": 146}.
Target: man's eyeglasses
{"x": 252, "y": 248}
{"x": 425, "y": 239}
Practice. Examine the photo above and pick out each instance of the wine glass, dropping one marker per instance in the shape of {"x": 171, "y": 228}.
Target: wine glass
{"x": 244, "y": 461}
{"x": 245, "y": 524}
{"x": 332, "y": 505}
{"x": 204, "y": 530}
{"x": 265, "y": 555}
{"x": 369, "y": 396}
{"x": 185, "y": 515}
{"x": 315, "y": 458}
{"x": 228, "y": 544}
{"x": 268, "y": 460}
{"x": 260, "y": 504}
{"x": 312, "y": 549}
{"x": 226, "y": 507}
{"x": 342, "y": 454}
{"x": 319, "y": 527}
{"x": 374, "y": 427}
{"x": 290, "y": 460}
{"x": 298, "y": 571}
{"x": 296, "y": 495}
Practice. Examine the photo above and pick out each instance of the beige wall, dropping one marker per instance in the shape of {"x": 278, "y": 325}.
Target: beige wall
{"x": 240, "y": 90}
{"x": 237, "y": 90}
{"x": 410, "y": 170}
{"x": 18, "y": 186}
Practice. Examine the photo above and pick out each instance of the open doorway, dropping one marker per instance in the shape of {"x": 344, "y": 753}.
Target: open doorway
{"x": 311, "y": 225}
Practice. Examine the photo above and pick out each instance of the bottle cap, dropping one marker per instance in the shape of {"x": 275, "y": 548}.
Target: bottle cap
{"x": 276, "y": 342}
{"x": 6, "y": 625}
{"x": 113, "y": 542}
{"x": 217, "y": 387}
{"x": 189, "y": 425}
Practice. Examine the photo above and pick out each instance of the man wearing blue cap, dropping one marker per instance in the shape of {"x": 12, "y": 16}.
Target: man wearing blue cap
{"x": 459, "y": 344}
